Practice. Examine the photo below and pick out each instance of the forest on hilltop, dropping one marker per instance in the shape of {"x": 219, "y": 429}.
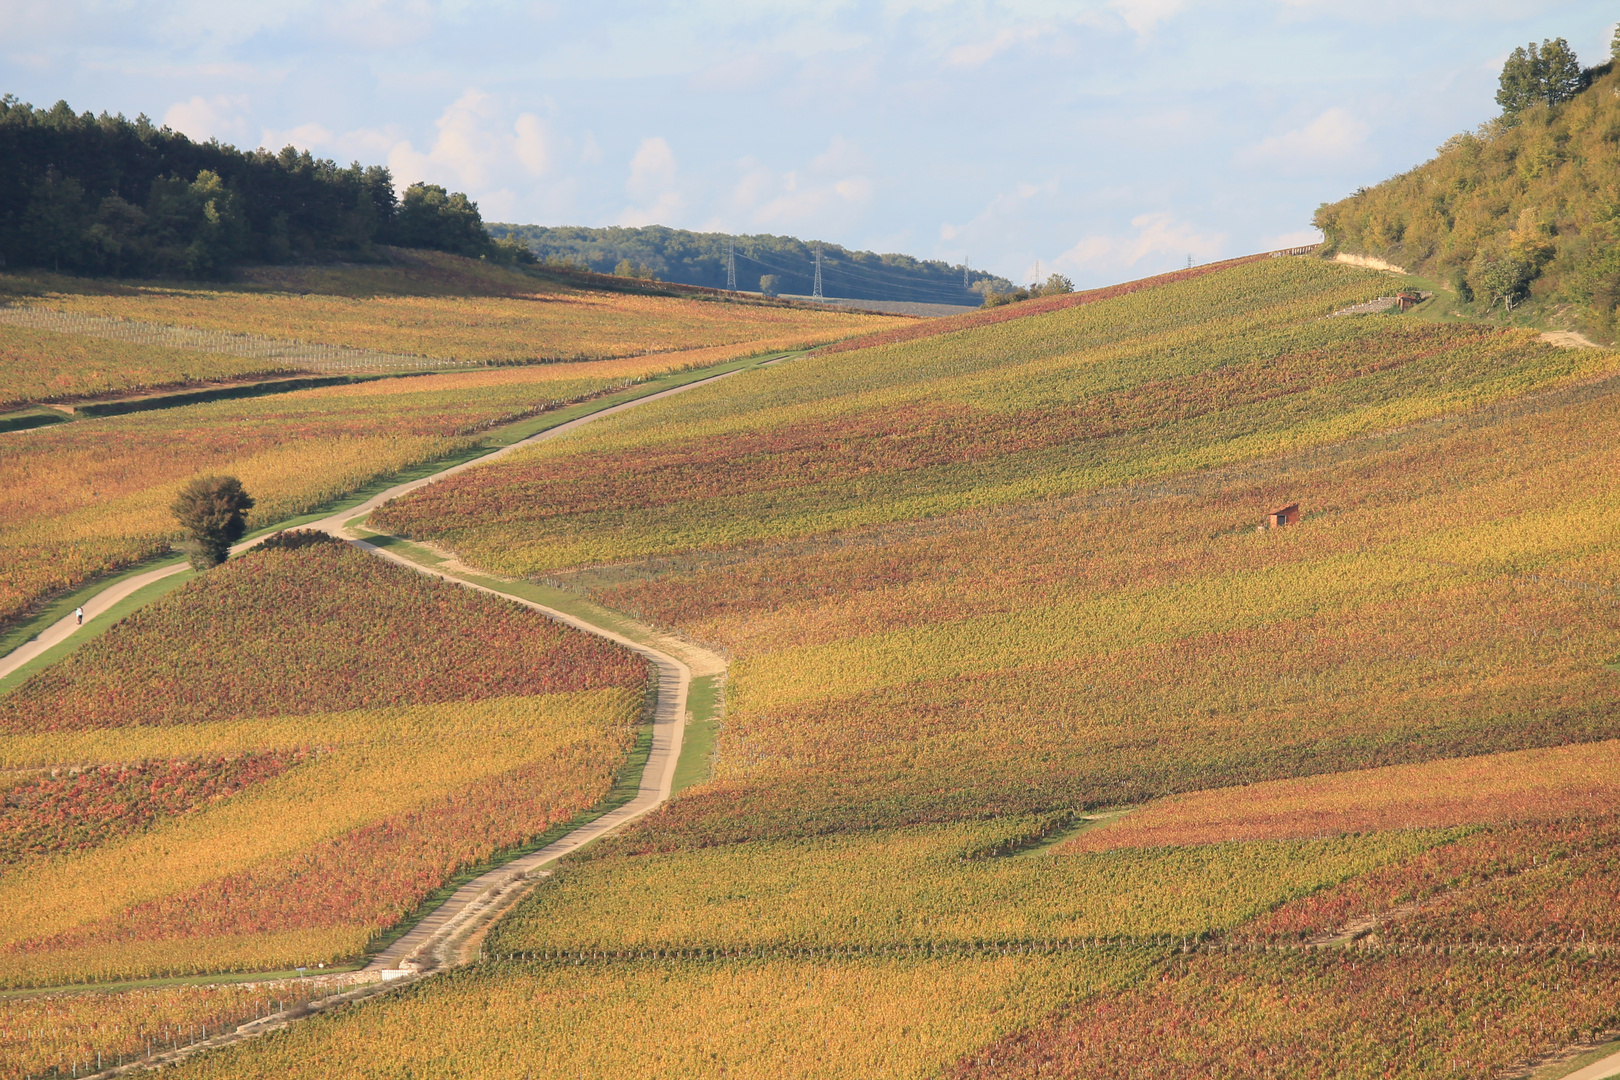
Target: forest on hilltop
{"x": 1524, "y": 210}
{"x": 765, "y": 263}
{"x": 108, "y": 195}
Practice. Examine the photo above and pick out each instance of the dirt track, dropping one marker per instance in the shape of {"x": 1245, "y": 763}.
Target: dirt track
{"x": 65, "y": 627}
{"x": 442, "y": 939}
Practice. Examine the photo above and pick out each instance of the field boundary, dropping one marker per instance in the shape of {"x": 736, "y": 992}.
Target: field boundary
{"x": 41, "y": 632}
{"x": 441, "y": 939}
{"x": 1170, "y": 944}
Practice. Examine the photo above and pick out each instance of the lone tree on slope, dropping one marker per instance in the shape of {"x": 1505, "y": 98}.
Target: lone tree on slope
{"x": 1547, "y": 75}
{"x": 211, "y": 510}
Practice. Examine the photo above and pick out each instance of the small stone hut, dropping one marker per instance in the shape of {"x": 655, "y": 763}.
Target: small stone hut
{"x": 1283, "y": 515}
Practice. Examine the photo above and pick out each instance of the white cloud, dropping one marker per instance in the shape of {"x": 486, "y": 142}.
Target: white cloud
{"x": 1332, "y": 137}
{"x": 380, "y": 24}
{"x": 1157, "y": 234}
{"x": 532, "y": 144}
{"x": 976, "y": 53}
{"x": 652, "y": 184}
{"x": 652, "y": 168}
{"x": 828, "y": 194}
{"x": 1144, "y": 16}
{"x": 1007, "y": 204}
{"x": 465, "y": 144}
{"x": 202, "y": 118}
{"x": 841, "y": 155}
{"x": 473, "y": 149}
{"x": 1297, "y": 238}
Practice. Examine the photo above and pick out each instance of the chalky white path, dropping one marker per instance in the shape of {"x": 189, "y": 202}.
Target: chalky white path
{"x": 1598, "y": 1070}
{"x": 434, "y": 943}
{"x": 431, "y": 943}
{"x": 99, "y": 604}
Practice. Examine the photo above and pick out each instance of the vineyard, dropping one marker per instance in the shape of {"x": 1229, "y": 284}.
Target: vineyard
{"x": 38, "y": 365}
{"x": 79, "y": 500}
{"x": 1333, "y": 1015}
{"x": 854, "y": 1018}
{"x": 68, "y": 1033}
{"x": 49, "y": 813}
{"x": 1039, "y": 756}
{"x": 323, "y": 628}
{"x": 916, "y": 886}
{"x": 1222, "y": 368}
{"x": 450, "y": 308}
{"x": 1524, "y": 786}
{"x": 394, "y": 728}
{"x": 1108, "y": 649}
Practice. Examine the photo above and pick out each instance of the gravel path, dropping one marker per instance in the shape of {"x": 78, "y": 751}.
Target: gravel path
{"x": 65, "y": 627}
{"x": 448, "y": 936}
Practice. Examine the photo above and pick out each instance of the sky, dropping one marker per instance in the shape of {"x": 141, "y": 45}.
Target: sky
{"x": 1102, "y": 139}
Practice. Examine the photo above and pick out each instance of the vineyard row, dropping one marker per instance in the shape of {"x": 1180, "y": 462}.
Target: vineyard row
{"x": 1053, "y": 946}
{"x": 247, "y": 346}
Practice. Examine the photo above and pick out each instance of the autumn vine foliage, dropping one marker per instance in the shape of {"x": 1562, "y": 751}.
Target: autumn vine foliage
{"x": 77, "y": 809}
{"x": 318, "y": 629}
{"x": 1039, "y": 306}
{"x": 394, "y": 728}
{"x": 1038, "y": 757}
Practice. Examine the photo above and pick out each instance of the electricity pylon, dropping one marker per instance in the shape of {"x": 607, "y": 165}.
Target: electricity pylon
{"x": 731, "y": 264}
{"x": 815, "y": 293}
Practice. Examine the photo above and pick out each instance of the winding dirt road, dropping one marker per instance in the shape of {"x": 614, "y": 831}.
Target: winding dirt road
{"x": 441, "y": 940}
{"x": 99, "y": 604}
{"x": 433, "y": 943}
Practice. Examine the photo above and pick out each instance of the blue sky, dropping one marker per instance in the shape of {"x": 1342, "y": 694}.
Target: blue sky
{"x": 1106, "y": 139}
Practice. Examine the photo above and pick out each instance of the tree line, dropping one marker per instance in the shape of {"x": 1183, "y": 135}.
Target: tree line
{"x": 764, "y": 263}
{"x": 107, "y": 195}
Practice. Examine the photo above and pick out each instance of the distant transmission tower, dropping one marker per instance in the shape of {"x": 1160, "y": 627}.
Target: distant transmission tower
{"x": 815, "y": 294}
{"x": 965, "y": 263}
{"x": 1189, "y": 262}
{"x": 731, "y": 264}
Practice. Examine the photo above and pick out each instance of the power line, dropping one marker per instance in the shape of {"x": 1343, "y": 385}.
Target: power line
{"x": 923, "y": 291}
{"x": 854, "y": 271}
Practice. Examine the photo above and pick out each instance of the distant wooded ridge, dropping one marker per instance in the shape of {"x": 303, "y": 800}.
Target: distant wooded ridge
{"x": 776, "y": 265}
{"x": 106, "y": 195}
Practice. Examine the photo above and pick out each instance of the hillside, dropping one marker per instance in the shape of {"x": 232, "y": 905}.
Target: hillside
{"x": 1523, "y": 214}
{"x": 1038, "y": 756}
{"x": 977, "y": 585}
{"x": 480, "y": 346}
{"x": 1034, "y": 754}
{"x": 700, "y": 259}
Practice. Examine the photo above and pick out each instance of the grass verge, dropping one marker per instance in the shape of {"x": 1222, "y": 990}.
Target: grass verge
{"x": 697, "y": 746}
{"x": 97, "y": 625}
{"x": 24, "y": 419}
{"x": 1580, "y": 1061}
{"x": 56, "y": 608}
{"x": 626, "y": 783}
